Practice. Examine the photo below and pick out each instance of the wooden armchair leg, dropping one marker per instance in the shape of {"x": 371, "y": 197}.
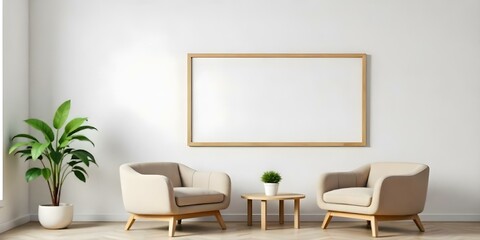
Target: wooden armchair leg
{"x": 220, "y": 220}
{"x": 374, "y": 225}
{"x": 171, "y": 226}
{"x": 419, "y": 224}
{"x": 326, "y": 220}
{"x": 130, "y": 222}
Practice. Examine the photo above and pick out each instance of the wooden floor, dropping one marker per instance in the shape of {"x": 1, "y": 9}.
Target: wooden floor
{"x": 239, "y": 230}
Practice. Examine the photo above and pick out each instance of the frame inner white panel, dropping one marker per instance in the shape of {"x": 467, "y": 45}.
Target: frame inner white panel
{"x": 277, "y": 99}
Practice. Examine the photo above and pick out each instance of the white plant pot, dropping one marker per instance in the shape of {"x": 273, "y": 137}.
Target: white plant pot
{"x": 271, "y": 189}
{"x": 55, "y": 217}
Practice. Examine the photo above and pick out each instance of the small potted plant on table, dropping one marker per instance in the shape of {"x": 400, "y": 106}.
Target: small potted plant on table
{"x": 57, "y": 160}
{"x": 271, "y": 181}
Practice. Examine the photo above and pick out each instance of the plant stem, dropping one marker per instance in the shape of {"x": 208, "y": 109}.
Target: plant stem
{"x": 48, "y": 183}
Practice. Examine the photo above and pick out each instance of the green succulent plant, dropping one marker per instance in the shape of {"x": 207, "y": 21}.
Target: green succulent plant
{"x": 58, "y": 159}
{"x": 271, "y": 177}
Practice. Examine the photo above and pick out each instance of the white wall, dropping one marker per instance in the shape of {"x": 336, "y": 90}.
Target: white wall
{"x": 123, "y": 64}
{"x": 15, "y": 208}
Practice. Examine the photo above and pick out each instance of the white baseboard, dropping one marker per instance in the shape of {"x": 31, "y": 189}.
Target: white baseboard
{"x": 93, "y": 217}
{"x": 14, "y": 223}
{"x": 273, "y": 217}
{"x": 450, "y": 217}
{"x": 320, "y": 217}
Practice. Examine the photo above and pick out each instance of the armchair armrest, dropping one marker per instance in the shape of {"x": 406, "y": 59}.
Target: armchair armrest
{"x": 217, "y": 181}
{"x": 146, "y": 194}
{"x": 401, "y": 194}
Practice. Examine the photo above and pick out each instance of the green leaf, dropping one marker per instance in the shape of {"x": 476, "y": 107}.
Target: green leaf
{"x": 81, "y": 128}
{"x": 23, "y": 152}
{"x": 80, "y": 154}
{"x": 85, "y": 156}
{"x": 64, "y": 141}
{"x": 73, "y": 163}
{"x": 37, "y": 149}
{"x": 61, "y": 115}
{"x": 74, "y": 124}
{"x": 90, "y": 156}
{"x": 78, "y": 168}
{"x": 32, "y": 173}
{"x": 46, "y": 173}
{"x": 17, "y": 145}
{"x": 56, "y": 157}
{"x": 42, "y": 127}
{"x": 80, "y": 176}
{"x": 25, "y": 136}
{"x": 82, "y": 138}
{"x": 61, "y": 141}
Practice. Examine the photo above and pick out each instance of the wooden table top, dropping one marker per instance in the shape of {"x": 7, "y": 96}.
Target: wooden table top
{"x": 279, "y": 196}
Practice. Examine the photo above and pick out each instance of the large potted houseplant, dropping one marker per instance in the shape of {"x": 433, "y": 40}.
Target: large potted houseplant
{"x": 271, "y": 181}
{"x": 55, "y": 159}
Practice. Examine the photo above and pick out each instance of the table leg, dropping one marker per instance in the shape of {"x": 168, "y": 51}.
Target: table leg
{"x": 296, "y": 212}
{"x": 264, "y": 215}
{"x": 249, "y": 212}
{"x": 281, "y": 212}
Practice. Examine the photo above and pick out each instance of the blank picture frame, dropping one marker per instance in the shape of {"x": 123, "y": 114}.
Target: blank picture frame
{"x": 276, "y": 100}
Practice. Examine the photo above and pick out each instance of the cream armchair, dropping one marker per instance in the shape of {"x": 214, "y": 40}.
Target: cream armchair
{"x": 376, "y": 192}
{"x": 172, "y": 192}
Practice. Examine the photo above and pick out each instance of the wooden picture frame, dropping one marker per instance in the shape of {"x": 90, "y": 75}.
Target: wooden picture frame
{"x": 276, "y": 100}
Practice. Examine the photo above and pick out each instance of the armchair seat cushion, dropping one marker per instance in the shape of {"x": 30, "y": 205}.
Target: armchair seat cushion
{"x": 187, "y": 196}
{"x": 358, "y": 196}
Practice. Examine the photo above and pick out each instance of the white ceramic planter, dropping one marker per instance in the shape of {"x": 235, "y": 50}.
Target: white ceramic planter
{"x": 55, "y": 217}
{"x": 271, "y": 189}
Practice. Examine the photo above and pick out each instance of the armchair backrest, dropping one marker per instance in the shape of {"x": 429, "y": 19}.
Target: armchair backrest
{"x": 168, "y": 169}
{"x": 385, "y": 169}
